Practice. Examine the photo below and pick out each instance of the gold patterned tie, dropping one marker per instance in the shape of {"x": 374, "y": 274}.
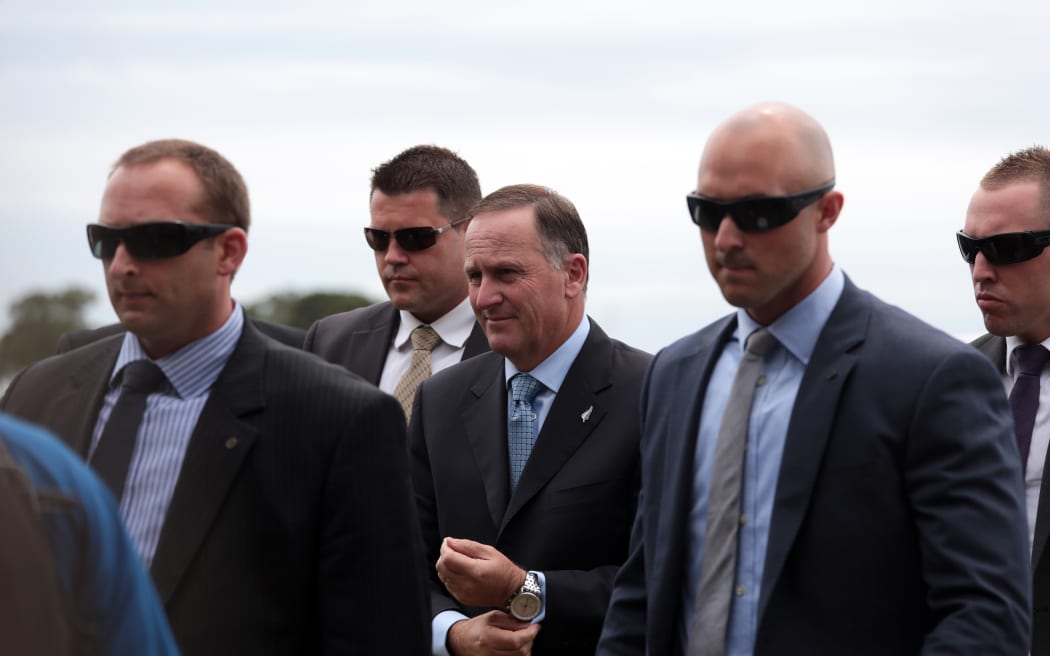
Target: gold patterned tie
{"x": 424, "y": 339}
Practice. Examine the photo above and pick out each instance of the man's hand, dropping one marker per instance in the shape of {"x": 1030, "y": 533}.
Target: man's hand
{"x": 495, "y": 632}
{"x": 477, "y": 574}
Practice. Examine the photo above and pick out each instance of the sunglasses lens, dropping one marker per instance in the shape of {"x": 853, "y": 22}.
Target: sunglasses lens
{"x": 967, "y": 247}
{"x": 102, "y": 241}
{"x": 154, "y": 241}
{"x": 378, "y": 240}
{"x": 416, "y": 239}
{"x": 761, "y": 214}
{"x": 705, "y": 213}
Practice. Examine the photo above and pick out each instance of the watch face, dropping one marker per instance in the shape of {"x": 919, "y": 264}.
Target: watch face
{"x": 525, "y": 606}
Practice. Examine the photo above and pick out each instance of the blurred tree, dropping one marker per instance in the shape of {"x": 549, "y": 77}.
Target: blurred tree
{"x": 37, "y": 320}
{"x": 301, "y": 310}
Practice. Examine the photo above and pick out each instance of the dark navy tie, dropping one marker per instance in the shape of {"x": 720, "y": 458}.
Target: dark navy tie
{"x": 112, "y": 456}
{"x": 1024, "y": 398}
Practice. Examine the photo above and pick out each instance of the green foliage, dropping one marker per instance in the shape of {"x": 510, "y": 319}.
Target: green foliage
{"x": 301, "y": 310}
{"x": 37, "y": 321}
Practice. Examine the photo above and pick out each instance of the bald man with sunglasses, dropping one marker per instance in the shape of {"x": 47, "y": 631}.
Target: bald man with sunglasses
{"x": 252, "y": 477}
{"x": 1004, "y": 240}
{"x": 418, "y": 208}
{"x": 822, "y": 473}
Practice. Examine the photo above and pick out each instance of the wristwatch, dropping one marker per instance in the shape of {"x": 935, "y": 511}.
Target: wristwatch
{"x": 525, "y": 604}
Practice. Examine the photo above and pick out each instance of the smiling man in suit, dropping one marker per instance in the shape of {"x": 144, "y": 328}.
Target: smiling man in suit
{"x": 525, "y": 460}
{"x": 847, "y": 482}
{"x": 1004, "y": 240}
{"x": 267, "y": 491}
{"x": 418, "y": 206}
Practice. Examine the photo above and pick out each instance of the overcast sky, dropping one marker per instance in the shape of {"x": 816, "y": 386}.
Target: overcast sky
{"x": 607, "y": 102}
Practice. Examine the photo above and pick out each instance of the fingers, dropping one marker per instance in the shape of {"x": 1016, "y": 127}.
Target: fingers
{"x": 494, "y": 632}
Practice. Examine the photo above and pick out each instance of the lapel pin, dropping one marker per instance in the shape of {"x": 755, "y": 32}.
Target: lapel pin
{"x": 586, "y": 414}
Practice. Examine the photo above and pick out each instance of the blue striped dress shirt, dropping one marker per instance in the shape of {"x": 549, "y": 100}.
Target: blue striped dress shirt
{"x": 171, "y": 415}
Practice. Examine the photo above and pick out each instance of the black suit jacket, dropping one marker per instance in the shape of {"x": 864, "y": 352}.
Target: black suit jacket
{"x": 284, "y": 334}
{"x": 291, "y": 529}
{"x": 898, "y": 520}
{"x": 360, "y": 339}
{"x": 995, "y": 348}
{"x": 570, "y": 516}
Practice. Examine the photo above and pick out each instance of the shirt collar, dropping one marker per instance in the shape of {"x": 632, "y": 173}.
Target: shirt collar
{"x": 798, "y": 329}
{"x": 1012, "y": 342}
{"x": 552, "y": 371}
{"x": 192, "y": 369}
{"x": 454, "y": 327}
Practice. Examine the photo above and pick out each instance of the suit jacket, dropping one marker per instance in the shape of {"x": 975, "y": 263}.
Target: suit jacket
{"x": 360, "y": 339}
{"x": 570, "y": 515}
{"x": 995, "y": 348}
{"x": 291, "y": 529}
{"x": 898, "y": 520}
{"x": 284, "y": 334}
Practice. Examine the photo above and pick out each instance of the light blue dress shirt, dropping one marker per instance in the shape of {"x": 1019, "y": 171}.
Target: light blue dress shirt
{"x": 551, "y": 373}
{"x": 171, "y": 415}
{"x": 785, "y": 363}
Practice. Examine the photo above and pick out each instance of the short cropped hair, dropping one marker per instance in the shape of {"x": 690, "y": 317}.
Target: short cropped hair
{"x": 561, "y": 231}
{"x": 1028, "y": 165}
{"x": 226, "y": 195}
{"x": 431, "y": 167}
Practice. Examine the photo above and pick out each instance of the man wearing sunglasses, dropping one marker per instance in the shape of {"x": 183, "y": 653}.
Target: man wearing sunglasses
{"x": 822, "y": 473}
{"x": 1004, "y": 240}
{"x": 418, "y": 206}
{"x": 253, "y": 477}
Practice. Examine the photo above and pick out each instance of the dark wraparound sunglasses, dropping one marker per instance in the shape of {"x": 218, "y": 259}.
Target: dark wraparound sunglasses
{"x": 755, "y": 214}
{"x": 150, "y": 241}
{"x": 1007, "y": 248}
{"x": 409, "y": 239}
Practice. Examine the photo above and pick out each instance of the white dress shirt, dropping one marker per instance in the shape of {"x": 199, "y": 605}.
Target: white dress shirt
{"x": 453, "y": 328}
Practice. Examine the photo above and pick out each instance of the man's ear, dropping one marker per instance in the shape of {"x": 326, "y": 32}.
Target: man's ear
{"x": 232, "y": 246}
{"x": 830, "y": 207}
{"x": 576, "y": 275}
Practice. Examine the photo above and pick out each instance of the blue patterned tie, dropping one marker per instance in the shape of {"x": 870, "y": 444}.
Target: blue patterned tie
{"x": 521, "y": 430}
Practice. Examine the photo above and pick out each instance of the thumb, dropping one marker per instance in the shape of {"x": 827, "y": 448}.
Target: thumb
{"x": 468, "y": 548}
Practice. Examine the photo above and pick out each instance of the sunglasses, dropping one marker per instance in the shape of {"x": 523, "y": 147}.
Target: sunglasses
{"x": 409, "y": 239}
{"x": 1007, "y": 248}
{"x": 150, "y": 241}
{"x": 756, "y": 214}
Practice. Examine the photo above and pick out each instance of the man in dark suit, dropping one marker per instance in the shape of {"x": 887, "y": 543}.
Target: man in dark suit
{"x": 267, "y": 491}
{"x": 1004, "y": 238}
{"x": 418, "y": 206}
{"x": 284, "y": 334}
{"x": 858, "y": 491}
{"x": 509, "y": 523}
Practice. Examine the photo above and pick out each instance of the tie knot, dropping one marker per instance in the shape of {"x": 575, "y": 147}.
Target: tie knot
{"x": 1031, "y": 358}
{"x": 143, "y": 376}
{"x": 524, "y": 388}
{"x": 760, "y": 341}
{"x": 424, "y": 338}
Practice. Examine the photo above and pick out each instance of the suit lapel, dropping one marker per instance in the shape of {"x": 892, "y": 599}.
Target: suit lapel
{"x": 367, "y": 350}
{"x": 216, "y": 451}
{"x": 481, "y": 419}
{"x": 812, "y": 419}
{"x": 77, "y": 404}
{"x": 565, "y": 427}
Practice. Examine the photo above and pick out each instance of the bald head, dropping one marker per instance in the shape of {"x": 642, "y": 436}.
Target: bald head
{"x": 776, "y": 140}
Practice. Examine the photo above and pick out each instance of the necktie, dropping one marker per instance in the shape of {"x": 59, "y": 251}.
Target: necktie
{"x": 521, "y": 430}
{"x": 424, "y": 339}
{"x": 714, "y": 591}
{"x": 1024, "y": 397}
{"x": 113, "y": 454}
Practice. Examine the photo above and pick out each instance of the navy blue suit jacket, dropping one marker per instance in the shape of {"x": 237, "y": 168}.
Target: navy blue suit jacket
{"x": 898, "y": 522}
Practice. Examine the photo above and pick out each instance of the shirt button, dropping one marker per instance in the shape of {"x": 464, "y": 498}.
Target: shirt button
{"x": 740, "y": 590}
{"x": 761, "y": 381}
{"x": 231, "y": 442}
{"x": 743, "y": 520}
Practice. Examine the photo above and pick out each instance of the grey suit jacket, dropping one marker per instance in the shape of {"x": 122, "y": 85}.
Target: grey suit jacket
{"x": 360, "y": 339}
{"x": 570, "y": 515}
{"x": 995, "y": 348}
{"x": 291, "y": 529}
{"x": 898, "y": 519}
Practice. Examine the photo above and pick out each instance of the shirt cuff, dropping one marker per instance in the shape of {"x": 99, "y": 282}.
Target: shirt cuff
{"x": 543, "y": 597}
{"x": 439, "y": 627}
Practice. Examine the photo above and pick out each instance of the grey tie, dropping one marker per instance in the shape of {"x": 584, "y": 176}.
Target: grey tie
{"x": 707, "y": 635}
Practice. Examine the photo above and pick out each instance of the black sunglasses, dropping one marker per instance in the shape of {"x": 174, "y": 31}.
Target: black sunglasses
{"x": 150, "y": 241}
{"x": 1007, "y": 248}
{"x": 409, "y": 239}
{"x": 755, "y": 214}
